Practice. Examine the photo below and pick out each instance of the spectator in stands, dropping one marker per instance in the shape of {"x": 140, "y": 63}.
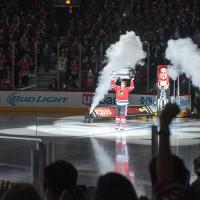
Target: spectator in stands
{"x": 24, "y": 42}
{"x": 53, "y": 60}
{"x": 53, "y": 86}
{"x": 90, "y": 81}
{"x": 3, "y": 61}
{"x": 25, "y": 64}
{"x": 46, "y": 57}
{"x": 76, "y": 84}
{"x": 72, "y": 84}
{"x": 96, "y": 28}
{"x": 6, "y": 82}
{"x": 62, "y": 64}
{"x": 114, "y": 186}
{"x": 21, "y": 191}
{"x": 60, "y": 179}
{"x": 74, "y": 69}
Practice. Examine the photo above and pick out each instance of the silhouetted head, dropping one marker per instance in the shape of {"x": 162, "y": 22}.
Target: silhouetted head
{"x": 59, "y": 176}
{"x": 114, "y": 186}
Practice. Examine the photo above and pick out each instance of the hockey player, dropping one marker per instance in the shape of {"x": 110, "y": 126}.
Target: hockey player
{"x": 122, "y": 93}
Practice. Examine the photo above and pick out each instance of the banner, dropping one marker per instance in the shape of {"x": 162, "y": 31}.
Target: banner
{"x": 40, "y": 99}
{"x": 163, "y": 87}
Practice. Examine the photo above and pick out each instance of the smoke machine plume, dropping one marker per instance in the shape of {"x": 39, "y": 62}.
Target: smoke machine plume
{"x": 125, "y": 53}
{"x": 184, "y": 56}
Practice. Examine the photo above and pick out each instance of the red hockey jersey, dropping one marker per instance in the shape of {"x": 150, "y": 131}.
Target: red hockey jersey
{"x": 122, "y": 95}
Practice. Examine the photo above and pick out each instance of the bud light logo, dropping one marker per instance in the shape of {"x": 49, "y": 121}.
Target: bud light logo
{"x": 14, "y": 99}
{"x": 148, "y": 100}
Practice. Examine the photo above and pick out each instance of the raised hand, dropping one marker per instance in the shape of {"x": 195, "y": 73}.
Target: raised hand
{"x": 170, "y": 111}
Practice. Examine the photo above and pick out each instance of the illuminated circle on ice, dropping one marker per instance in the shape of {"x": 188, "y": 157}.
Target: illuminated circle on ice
{"x": 137, "y": 131}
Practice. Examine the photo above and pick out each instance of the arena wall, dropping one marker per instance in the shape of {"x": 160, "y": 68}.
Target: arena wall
{"x": 72, "y": 102}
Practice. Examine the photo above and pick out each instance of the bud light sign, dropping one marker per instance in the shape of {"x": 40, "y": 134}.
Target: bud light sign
{"x": 14, "y": 99}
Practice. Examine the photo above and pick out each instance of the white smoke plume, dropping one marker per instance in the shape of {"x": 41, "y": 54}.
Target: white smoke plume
{"x": 173, "y": 72}
{"x": 125, "y": 53}
{"x": 184, "y": 56}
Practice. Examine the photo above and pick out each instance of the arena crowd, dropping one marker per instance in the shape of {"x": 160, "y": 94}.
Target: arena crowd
{"x": 30, "y": 29}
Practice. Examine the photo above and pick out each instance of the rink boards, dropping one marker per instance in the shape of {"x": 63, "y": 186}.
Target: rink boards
{"x": 74, "y": 102}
